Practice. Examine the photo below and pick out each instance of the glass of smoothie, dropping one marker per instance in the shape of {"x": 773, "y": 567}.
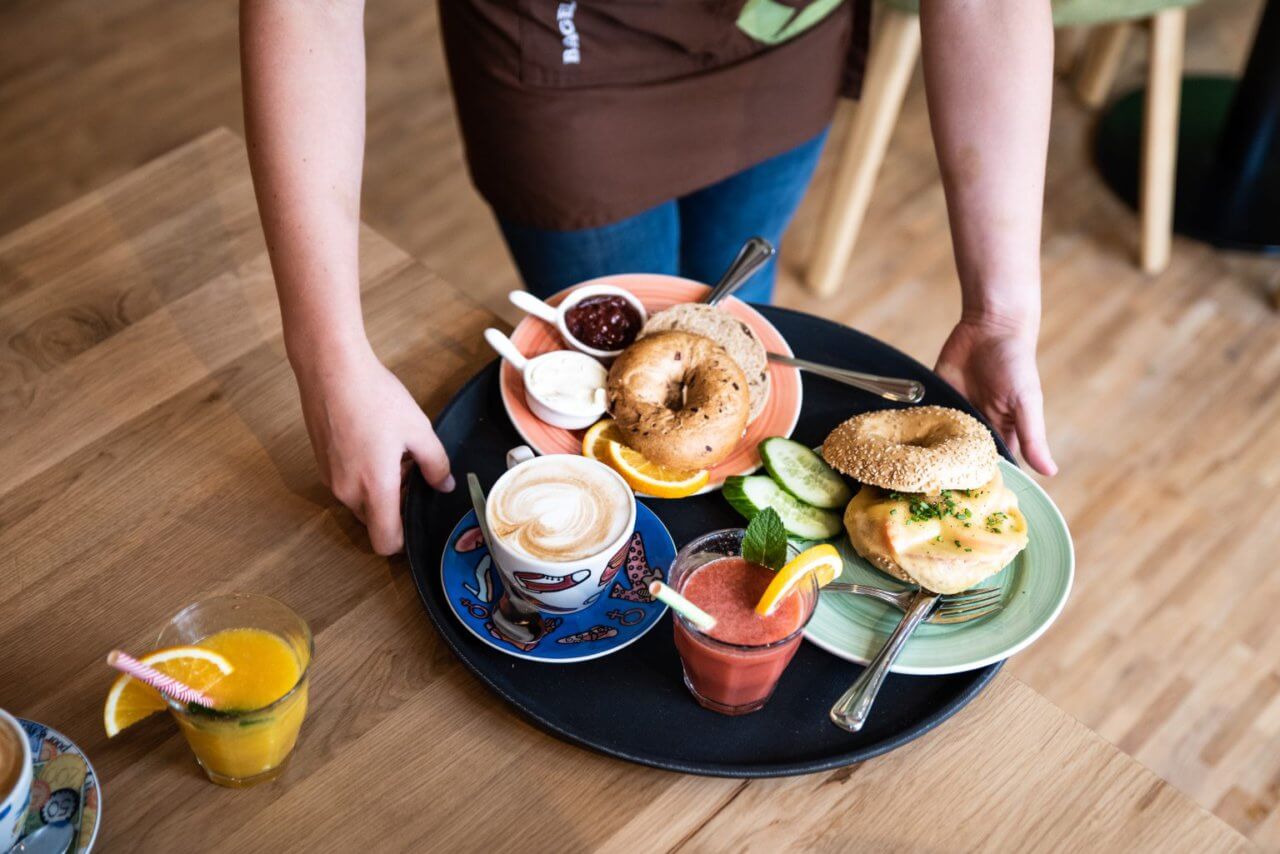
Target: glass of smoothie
{"x": 734, "y": 668}
{"x": 248, "y": 737}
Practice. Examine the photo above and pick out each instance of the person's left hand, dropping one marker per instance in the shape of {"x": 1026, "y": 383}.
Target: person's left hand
{"x": 993, "y": 364}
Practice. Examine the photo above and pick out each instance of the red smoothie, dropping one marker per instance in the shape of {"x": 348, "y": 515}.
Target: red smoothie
{"x": 735, "y": 670}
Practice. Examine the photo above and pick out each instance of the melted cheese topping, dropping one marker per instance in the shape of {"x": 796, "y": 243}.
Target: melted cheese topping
{"x": 946, "y": 542}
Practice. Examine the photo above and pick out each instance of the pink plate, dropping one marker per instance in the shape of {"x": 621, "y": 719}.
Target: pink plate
{"x": 533, "y": 337}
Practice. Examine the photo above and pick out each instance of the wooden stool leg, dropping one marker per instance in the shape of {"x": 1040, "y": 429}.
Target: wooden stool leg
{"x": 1101, "y": 61}
{"x": 1160, "y": 137}
{"x": 894, "y": 51}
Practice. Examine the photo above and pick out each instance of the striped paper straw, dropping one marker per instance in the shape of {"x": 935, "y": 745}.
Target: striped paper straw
{"x": 691, "y": 612}
{"x": 166, "y": 685}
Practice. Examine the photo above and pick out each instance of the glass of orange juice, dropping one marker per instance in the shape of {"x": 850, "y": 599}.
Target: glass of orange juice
{"x": 248, "y": 737}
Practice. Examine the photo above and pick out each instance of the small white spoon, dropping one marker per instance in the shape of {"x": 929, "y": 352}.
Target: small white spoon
{"x": 542, "y": 405}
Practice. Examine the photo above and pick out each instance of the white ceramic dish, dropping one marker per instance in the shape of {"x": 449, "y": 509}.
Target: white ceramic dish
{"x": 555, "y": 314}
{"x": 554, "y": 411}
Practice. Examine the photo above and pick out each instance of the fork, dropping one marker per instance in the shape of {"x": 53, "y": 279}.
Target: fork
{"x": 953, "y": 608}
{"x": 852, "y": 709}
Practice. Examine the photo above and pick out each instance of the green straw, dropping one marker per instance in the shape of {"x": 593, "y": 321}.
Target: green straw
{"x": 691, "y": 612}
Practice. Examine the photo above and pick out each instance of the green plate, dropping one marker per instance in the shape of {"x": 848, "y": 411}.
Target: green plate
{"x": 1035, "y": 585}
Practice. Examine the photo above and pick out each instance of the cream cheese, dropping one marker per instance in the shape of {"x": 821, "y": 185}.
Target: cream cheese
{"x": 569, "y": 382}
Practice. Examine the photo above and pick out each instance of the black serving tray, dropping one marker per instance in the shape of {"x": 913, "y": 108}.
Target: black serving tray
{"x": 633, "y": 704}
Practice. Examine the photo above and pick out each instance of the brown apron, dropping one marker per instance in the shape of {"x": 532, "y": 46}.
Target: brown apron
{"x": 579, "y": 114}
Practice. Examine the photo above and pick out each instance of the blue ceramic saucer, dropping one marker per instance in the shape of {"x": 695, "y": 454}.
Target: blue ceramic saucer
{"x": 621, "y": 614}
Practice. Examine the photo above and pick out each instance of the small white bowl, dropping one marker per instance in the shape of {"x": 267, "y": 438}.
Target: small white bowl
{"x": 554, "y": 315}
{"x": 542, "y": 406}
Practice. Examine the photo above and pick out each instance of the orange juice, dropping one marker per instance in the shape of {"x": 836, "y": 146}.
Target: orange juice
{"x": 258, "y": 707}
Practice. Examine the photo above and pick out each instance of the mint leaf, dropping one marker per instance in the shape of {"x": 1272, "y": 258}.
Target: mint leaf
{"x": 766, "y": 540}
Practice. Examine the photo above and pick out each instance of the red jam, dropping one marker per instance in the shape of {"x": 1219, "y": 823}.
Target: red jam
{"x": 605, "y": 322}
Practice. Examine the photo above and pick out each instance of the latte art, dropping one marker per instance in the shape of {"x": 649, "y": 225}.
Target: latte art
{"x": 559, "y": 509}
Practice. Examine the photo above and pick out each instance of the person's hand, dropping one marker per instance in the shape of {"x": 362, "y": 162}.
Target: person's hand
{"x": 367, "y": 431}
{"x": 993, "y": 364}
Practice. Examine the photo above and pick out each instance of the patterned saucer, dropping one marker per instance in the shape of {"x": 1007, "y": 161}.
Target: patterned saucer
{"x": 64, "y": 788}
{"x": 621, "y": 614}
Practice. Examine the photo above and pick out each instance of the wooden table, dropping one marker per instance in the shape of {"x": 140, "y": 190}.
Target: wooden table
{"x": 152, "y": 453}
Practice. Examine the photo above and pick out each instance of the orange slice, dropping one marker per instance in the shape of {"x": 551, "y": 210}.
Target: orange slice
{"x": 651, "y": 478}
{"x": 595, "y": 444}
{"x": 822, "y": 560}
{"x": 129, "y": 700}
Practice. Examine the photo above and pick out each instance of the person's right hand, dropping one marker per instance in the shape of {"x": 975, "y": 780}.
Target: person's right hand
{"x": 366, "y": 430}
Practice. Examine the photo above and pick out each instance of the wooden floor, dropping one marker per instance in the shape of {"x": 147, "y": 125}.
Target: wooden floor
{"x": 1162, "y": 392}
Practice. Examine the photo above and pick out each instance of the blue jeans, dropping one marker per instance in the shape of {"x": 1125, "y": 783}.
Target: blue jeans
{"x": 695, "y": 236}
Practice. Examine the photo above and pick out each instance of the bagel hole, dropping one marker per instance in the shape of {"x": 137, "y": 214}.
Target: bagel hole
{"x": 677, "y": 396}
{"x": 932, "y": 439}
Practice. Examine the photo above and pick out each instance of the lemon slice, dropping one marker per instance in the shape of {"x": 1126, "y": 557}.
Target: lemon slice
{"x": 129, "y": 700}
{"x": 595, "y": 444}
{"x": 651, "y": 478}
{"x": 822, "y": 560}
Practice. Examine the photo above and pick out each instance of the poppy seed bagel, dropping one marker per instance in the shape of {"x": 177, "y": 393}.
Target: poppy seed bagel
{"x": 679, "y": 399}
{"x": 737, "y": 338}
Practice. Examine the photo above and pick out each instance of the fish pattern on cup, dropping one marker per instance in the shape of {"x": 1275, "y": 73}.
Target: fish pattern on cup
{"x": 538, "y": 582}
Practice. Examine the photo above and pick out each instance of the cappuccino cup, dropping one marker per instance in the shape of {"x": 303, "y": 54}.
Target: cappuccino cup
{"x": 15, "y": 779}
{"x": 556, "y": 523}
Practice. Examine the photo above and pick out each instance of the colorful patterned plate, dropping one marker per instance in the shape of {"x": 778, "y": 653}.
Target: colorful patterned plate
{"x": 533, "y": 336}
{"x": 1035, "y": 585}
{"x": 65, "y": 788}
{"x": 622, "y": 614}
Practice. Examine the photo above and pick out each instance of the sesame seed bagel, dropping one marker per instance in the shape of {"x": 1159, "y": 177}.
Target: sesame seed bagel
{"x": 679, "y": 399}
{"x": 918, "y": 449}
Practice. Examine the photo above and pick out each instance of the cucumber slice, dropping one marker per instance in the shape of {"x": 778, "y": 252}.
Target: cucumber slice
{"x": 804, "y": 474}
{"x": 750, "y": 495}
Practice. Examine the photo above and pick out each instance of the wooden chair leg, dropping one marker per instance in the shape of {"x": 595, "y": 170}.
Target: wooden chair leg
{"x": 1101, "y": 61}
{"x": 1160, "y": 137}
{"x": 1067, "y": 44}
{"x": 894, "y": 52}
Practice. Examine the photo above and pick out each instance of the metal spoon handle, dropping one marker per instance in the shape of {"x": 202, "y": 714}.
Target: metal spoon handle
{"x": 890, "y": 388}
{"x": 753, "y": 255}
{"x": 852, "y": 709}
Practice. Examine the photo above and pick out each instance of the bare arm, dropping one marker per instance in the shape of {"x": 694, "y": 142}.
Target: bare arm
{"x": 988, "y": 68}
{"x": 304, "y": 76}
{"x": 303, "y": 67}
